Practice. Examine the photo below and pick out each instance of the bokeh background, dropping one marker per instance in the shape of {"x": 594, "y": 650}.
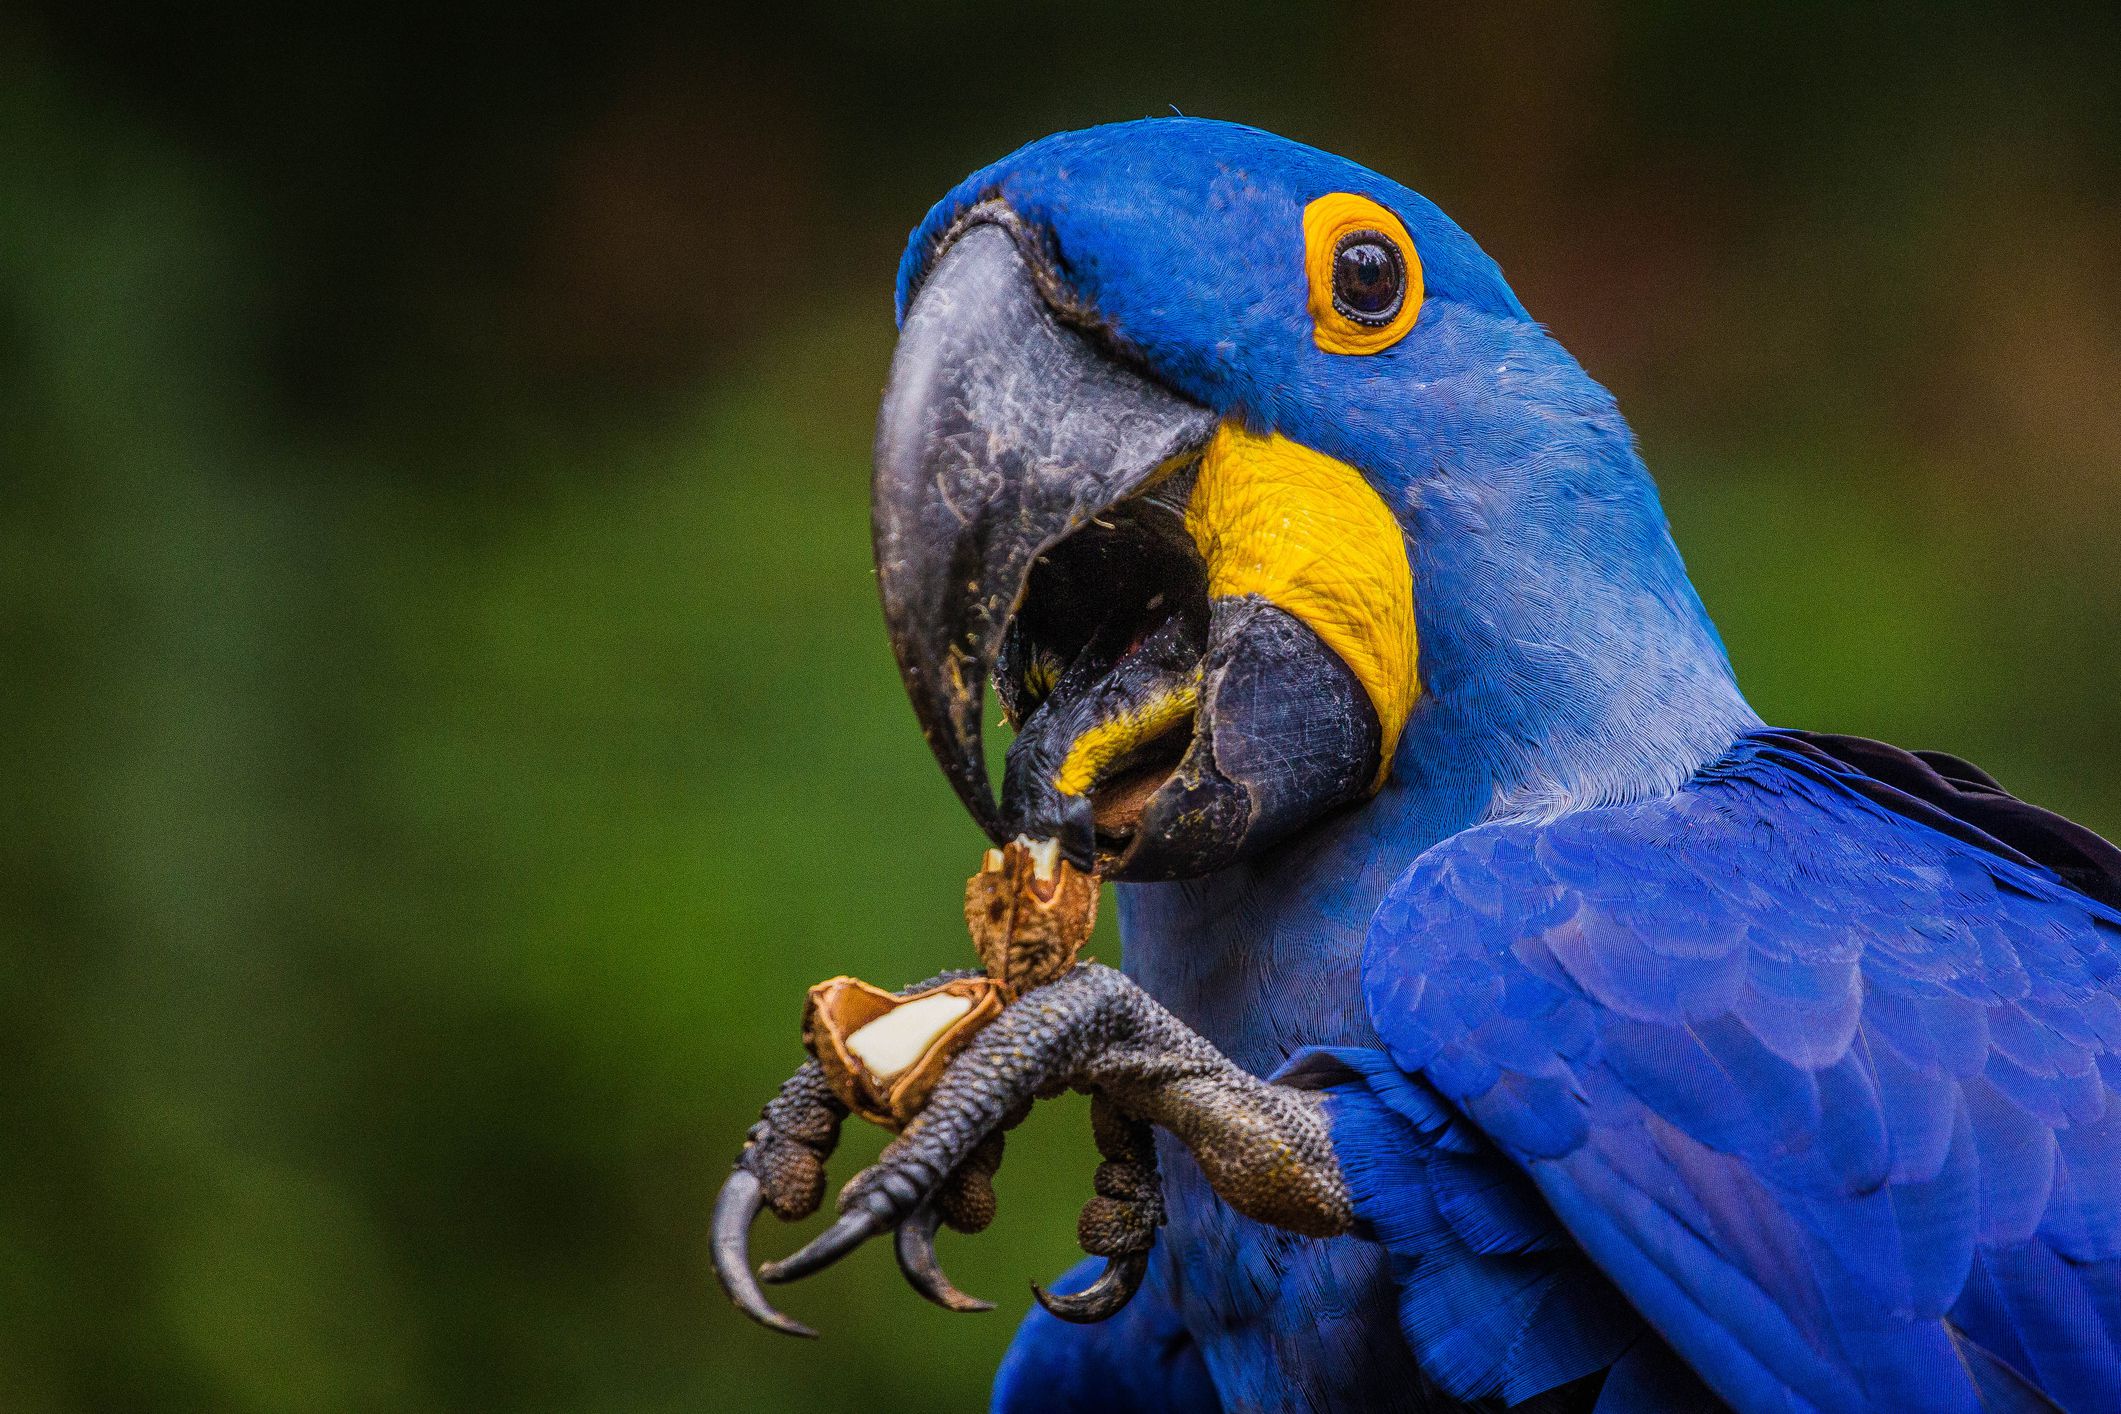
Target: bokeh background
{"x": 446, "y": 719}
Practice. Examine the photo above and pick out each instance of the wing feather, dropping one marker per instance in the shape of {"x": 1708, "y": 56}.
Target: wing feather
{"x": 1825, "y": 1087}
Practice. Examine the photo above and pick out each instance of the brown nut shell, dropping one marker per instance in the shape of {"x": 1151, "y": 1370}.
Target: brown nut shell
{"x": 838, "y": 1008}
{"x": 1028, "y": 924}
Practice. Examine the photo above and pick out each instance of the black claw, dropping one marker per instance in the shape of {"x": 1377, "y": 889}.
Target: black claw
{"x": 848, "y": 1232}
{"x": 734, "y": 1209}
{"x": 1103, "y": 1298}
{"x": 915, "y": 1245}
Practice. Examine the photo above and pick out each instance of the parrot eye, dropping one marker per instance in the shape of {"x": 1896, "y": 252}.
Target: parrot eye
{"x": 1369, "y": 278}
{"x": 1364, "y": 274}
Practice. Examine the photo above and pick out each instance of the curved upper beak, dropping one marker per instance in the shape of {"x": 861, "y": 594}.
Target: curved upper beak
{"x": 1003, "y": 430}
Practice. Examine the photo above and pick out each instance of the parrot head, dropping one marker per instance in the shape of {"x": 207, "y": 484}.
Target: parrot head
{"x": 1241, "y": 473}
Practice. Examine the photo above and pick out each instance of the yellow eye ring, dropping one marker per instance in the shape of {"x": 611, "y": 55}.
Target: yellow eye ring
{"x": 1365, "y": 276}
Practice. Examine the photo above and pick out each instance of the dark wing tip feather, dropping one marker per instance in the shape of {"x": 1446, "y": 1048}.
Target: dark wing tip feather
{"x": 1962, "y": 800}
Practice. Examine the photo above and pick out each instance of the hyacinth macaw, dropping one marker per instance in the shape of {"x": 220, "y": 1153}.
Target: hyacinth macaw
{"x": 1521, "y": 1021}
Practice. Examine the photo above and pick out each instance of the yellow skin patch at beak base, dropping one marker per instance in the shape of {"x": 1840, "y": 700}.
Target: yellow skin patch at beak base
{"x": 1307, "y": 534}
{"x": 1096, "y": 749}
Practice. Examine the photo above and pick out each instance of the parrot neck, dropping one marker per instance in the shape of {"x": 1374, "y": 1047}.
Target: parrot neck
{"x": 1566, "y": 659}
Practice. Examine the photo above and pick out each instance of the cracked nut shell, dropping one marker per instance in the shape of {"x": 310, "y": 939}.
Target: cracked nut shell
{"x": 1029, "y": 912}
{"x": 835, "y": 1010}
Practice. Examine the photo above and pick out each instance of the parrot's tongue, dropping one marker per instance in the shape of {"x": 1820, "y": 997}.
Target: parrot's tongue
{"x": 1101, "y": 674}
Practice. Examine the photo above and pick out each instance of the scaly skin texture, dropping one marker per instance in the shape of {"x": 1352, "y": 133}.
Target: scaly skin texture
{"x": 796, "y": 1132}
{"x": 1122, "y": 1219}
{"x": 1265, "y": 1148}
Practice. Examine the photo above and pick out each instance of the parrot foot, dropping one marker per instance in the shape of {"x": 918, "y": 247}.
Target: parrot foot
{"x": 1264, "y": 1148}
{"x": 1120, "y": 1223}
{"x": 782, "y": 1168}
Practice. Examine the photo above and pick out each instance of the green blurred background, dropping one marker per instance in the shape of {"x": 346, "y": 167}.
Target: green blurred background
{"x": 447, "y": 722}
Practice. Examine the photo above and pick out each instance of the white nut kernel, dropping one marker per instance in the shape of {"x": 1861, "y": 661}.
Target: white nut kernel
{"x": 898, "y": 1038}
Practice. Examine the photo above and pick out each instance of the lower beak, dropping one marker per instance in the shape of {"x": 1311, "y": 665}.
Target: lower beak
{"x": 1161, "y": 733}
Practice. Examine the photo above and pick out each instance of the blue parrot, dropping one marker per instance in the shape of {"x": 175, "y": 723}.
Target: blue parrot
{"x": 1519, "y": 1020}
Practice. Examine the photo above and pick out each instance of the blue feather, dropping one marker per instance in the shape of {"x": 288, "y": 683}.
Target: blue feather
{"x": 1492, "y": 1294}
{"x": 1873, "y": 1172}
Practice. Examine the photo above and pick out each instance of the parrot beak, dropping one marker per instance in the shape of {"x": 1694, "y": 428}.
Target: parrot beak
{"x": 1030, "y": 525}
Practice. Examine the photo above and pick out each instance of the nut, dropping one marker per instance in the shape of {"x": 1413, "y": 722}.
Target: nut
{"x": 1030, "y": 913}
{"x": 881, "y": 1053}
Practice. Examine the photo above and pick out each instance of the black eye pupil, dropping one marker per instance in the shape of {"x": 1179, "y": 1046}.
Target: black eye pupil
{"x": 1369, "y": 278}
